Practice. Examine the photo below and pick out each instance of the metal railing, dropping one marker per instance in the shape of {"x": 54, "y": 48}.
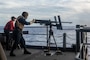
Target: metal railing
{"x": 63, "y": 36}
{"x": 81, "y": 43}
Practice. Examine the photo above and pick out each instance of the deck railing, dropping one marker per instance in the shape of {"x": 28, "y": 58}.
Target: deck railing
{"x": 81, "y": 43}
{"x": 64, "y": 36}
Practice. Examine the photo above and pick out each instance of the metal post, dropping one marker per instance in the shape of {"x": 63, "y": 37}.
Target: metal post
{"x": 77, "y": 39}
{"x": 64, "y": 41}
{"x": 47, "y": 36}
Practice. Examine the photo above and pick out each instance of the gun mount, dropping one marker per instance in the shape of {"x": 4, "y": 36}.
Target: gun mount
{"x": 50, "y": 33}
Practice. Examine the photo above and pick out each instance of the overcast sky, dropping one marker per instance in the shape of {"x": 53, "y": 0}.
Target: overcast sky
{"x": 76, "y": 11}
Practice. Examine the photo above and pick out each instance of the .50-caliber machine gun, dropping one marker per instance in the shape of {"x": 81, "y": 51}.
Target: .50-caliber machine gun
{"x": 56, "y": 23}
{"x": 49, "y": 24}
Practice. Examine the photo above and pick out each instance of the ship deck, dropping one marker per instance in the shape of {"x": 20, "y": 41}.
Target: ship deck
{"x": 39, "y": 54}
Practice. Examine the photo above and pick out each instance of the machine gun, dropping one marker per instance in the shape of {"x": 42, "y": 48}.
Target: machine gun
{"x": 50, "y": 23}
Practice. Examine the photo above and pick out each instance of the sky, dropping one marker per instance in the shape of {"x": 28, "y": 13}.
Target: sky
{"x": 75, "y": 11}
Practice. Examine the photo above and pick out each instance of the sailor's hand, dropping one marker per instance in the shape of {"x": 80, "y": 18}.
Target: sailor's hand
{"x": 32, "y": 21}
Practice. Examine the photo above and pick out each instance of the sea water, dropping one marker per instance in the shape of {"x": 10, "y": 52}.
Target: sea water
{"x": 37, "y": 36}
{"x": 41, "y": 39}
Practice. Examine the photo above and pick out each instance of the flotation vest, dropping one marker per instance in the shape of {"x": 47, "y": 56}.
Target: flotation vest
{"x": 18, "y": 24}
{"x": 9, "y": 26}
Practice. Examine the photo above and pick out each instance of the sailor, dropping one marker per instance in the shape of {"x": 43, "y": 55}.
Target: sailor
{"x": 19, "y": 25}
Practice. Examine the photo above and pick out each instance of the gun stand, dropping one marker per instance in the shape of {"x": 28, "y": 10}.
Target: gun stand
{"x": 49, "y": 39}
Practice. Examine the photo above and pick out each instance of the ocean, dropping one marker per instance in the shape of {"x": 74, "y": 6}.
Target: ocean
{"x": 37, "y": 36}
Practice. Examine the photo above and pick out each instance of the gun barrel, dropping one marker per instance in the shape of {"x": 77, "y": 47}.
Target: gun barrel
{"x": 41, "y": 21}
{"x": 46, "y": 22}
{"x": 66, "y": 22}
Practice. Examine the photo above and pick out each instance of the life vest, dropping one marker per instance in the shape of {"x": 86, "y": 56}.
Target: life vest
{"x": 18, "y": 24}
{"x": 9, "y": 26}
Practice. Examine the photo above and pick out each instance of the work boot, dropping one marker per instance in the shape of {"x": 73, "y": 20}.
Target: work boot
{"x": 27, "y": 52}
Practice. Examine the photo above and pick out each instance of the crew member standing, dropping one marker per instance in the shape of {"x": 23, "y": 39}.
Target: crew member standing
{"x": 9, "y": 27}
